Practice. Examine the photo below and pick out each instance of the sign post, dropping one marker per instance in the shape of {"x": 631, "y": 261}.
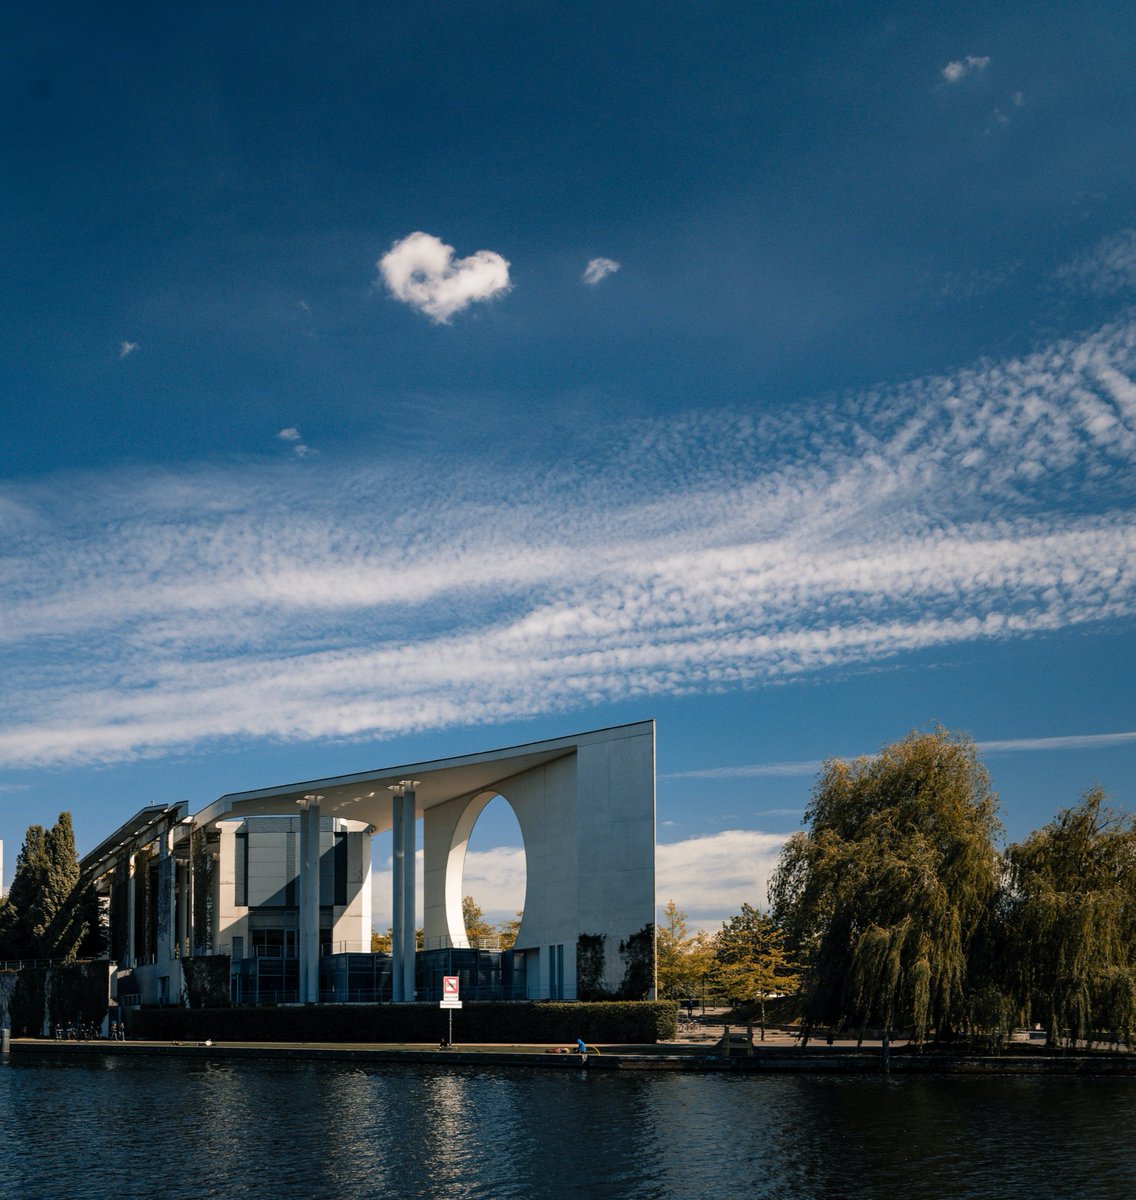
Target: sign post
{"x": 451, "y": 985}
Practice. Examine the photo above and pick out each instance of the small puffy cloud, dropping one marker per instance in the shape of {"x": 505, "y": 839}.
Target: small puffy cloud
{"x": 599, "y": 268}
{"x": 127, "y": 348}
{"x": 420, "y": 270}
{"x": 292, "y": 435}
{"x": 955, "y": 72}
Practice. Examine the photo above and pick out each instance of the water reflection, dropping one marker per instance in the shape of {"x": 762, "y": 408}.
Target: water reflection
{"x": 190, "y": 1129}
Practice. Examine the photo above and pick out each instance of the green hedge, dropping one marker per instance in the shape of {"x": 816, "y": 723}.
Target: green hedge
{"x": 632, "y": 1022}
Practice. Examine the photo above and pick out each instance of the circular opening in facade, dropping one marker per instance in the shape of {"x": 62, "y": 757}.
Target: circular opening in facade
{"x": 493, "y": 877}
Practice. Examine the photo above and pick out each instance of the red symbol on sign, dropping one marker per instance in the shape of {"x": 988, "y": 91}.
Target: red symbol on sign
{"x": 449, "y": 985}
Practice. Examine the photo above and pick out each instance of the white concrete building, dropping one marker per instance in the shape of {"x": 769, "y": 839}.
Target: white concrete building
{"x": 284, "y": 873}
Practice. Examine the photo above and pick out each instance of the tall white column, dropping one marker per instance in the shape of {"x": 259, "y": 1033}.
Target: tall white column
{"x": 409, "y": 836}
{"x": 404, "y": 828}
{"x": 309, "y": 900}
{"x": 130, "y": 911}
{"x": 398, "y": 861}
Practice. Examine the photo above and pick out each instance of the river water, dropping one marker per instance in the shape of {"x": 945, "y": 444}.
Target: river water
{"x": 192, "y": 1129}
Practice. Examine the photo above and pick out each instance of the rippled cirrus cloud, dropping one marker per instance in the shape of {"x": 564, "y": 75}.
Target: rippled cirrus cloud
{"x": 147, "y": 612}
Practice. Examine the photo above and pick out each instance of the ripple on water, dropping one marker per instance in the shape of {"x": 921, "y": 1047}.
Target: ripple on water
{"x": 192, "y": 1130}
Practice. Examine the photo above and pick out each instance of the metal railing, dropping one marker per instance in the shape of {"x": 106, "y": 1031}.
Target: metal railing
{"x": 445, "y": 942}
{"x": 21, "y": 964}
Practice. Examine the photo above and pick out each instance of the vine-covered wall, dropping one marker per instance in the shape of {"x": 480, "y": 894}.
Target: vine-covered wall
{"x": 39, "y": 999}
{"x": 637, "y": 955}
{"x": 207, "y": 980}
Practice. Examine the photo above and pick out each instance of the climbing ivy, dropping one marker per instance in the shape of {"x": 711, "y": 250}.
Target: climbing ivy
{"x": 202, "y": 867}
{"x": 638, "y": 954}
{"x": 590, "y": 958}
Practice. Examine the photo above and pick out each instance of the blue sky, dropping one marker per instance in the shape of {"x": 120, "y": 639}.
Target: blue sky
{"x": 380, "y": 385}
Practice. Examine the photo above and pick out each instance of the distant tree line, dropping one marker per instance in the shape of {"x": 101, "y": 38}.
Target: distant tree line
{"x": 47, "y": 913}
{"x": 898, "y": 911}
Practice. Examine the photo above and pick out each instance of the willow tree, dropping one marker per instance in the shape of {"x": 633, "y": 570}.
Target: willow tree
{"x": 1073, "y": 920}
{"x": 884, "y": 892}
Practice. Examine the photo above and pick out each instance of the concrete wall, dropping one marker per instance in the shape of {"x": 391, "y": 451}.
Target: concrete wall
{"x": 272, "y": 882}
{"x": 588, "y": 823}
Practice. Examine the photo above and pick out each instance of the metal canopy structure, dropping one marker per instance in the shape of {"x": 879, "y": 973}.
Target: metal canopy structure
{"x": 143, "y": 827}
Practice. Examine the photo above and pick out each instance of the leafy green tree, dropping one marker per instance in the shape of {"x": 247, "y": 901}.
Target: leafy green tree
{"x": 477, "y": 928}
{"x": 381, "y": 942}
{"x": 19, "y": 914}
{"x": 507, "y": 931}
{"x": 683, "y": 960}
{"x": 41, "y": 917}
{"x": 883, "y": 894}
{"x": 751, "y": 960}
{"x": 1073, "y": 920}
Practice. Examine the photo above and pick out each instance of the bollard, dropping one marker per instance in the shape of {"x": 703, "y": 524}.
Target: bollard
{"x": 5, "y": 1041}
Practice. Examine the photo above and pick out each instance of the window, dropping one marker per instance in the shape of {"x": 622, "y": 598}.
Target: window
{"x": 241, "y": 869}
{"x": 275, "y": 943}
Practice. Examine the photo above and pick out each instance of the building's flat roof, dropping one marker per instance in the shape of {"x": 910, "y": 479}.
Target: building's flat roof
{"x": 364, "y": 796}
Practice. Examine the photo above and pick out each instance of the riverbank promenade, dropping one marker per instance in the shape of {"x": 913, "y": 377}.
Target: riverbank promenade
{"x": 704, "y": 1048}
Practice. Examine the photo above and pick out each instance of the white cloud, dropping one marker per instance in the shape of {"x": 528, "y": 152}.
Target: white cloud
{"x": 712, "y": 550}
{"x": 127, "y": 348}
{"x": 292, "y": 435}
{"x": 1105, "y": 269}
{"x": 1076, "y": 741}
{"x": 599, "y": 268}
{"x": 956, "y": 71}
{"x": 710, "y": 878}
{"x": 1080, "y": 741}
{"x": 495, "y": 878}
{"x": 420, "y": 270}
{"x": 751, "y": 771}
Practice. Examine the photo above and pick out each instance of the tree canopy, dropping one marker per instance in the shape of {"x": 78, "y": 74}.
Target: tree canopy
{"x": 683, "y": 961}
{"x": 477, "y": 928}
{"x": 751, "y": 959}
{"x": 1072, "y": 906}
{"x": 883, "y": 893}
{"x": 44, "y": 916}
